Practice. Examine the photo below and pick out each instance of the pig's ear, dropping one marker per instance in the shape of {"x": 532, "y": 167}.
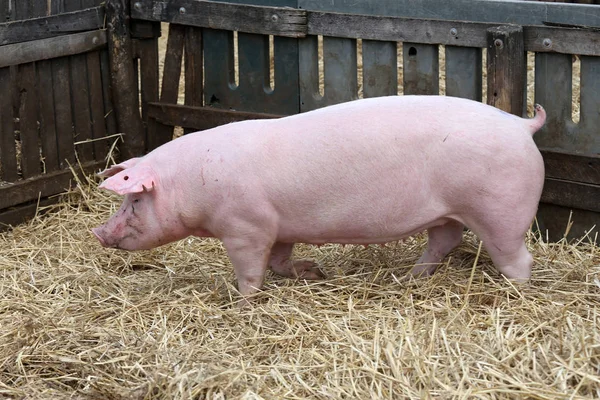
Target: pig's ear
{"x": 110, "y": 171}
{"x": 132, "y": 180}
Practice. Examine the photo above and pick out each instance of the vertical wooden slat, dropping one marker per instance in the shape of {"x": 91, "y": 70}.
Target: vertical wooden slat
{"x": 72, "y": 5}
{"x": 57, "y": 6}
{"x": 39, "y": 8}
{"x": 148, "y": 53}
{"x": 122, "y": 75}
{"x": 8, "y": 154}
{"x": 218, "y": 66}
{"x": 110, "y": 117}
{"x": 421, "y": 68}
{"x": 380, "y": 77}
{"x": 28, "y": 121}
{"x": 589, "y": 123}
{"x": 23, "y": 9}
{"x": 47, "y": 120}
{"x": 253, "y": 56}
{"x": 553, "y": 87}
{"x": 340, "y": 70}
{"x": 310, "y": 97}
{"x": 100, "y": 147}
{"x": 506, "y": 68}
{"x": 285, "y": 99}
{"x": 463, "y": 72}
{"x": 62, "y": 109}
{"x": 194, "y": 92}
{"x": 4, "y": 16}
{"x": 81, "y": 107}
{"x": 158, "y": 133}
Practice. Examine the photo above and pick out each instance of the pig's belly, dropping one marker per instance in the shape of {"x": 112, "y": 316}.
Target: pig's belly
{"x": 368, "y": 224}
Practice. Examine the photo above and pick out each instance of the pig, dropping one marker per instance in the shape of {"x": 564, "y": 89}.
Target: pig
{"x": 368, "y": 171}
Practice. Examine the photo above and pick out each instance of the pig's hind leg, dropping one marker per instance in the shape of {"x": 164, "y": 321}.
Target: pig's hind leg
{"x": 282, "y": 264}
{"x": 442, "y": 239}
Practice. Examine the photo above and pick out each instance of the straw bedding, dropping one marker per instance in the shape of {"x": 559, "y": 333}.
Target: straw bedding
{"x": 80, "y": 321}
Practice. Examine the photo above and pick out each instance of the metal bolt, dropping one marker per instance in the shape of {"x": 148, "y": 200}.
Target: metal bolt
{"x": 95, "y": 40}
{"x": 182, "y": 10}
{"x": 274, "y": 18}
{"x": 547, "y": 43}
{"x": 453, "y": 31}
{"x": 137, "y": 5}
{"x": 499, "y": 43}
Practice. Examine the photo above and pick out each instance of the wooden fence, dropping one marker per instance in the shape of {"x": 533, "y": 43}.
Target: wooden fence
{"x": 265, "y": 58}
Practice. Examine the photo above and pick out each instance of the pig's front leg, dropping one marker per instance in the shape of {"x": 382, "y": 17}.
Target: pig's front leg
{"x": 249, "y": 257}
{"x": 282, "y": 264}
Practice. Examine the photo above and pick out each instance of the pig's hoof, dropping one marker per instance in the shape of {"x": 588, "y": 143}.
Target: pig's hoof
{"x": 302, "y": 269}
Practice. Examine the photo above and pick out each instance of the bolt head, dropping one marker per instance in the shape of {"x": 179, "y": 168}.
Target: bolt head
{"x": 453, "y": 31}
{"x": 182, "y": 10}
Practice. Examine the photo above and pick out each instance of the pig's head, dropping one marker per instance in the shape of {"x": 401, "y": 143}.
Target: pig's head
{"x": 137, "y": 223}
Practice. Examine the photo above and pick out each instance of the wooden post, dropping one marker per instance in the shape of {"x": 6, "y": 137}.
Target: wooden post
{"x": 506, "y": 69}
{"x": 123, "y": 81}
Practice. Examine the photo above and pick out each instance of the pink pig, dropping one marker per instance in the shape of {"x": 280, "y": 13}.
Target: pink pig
{"x": 367, "y": 171}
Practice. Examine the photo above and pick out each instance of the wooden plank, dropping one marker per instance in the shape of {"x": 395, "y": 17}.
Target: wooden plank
{"x": 28, "y": 117}
{"x": 47, "y": 120}
{"x": 46, "y": 27}
{"x": 582, "y": 196}
{"x": 234, "y": 17}
{"x": 553, "y": 221}
{"x": 148, "y": 53}
{"x": 94, "y": 76}
{"x": 110, "y": 117}
{"x": 340, "y": 64}
{"x": 553, "y": 87}
{"x": 8, "y": 153}
{"x": 497, "y": 12}
{"x": 39, "y": 8}
{"x": 562, "y": 40}
{"x": 4, "y": 15}
{"x": 57, "y": 7}
{"x": 218, "y": 67}
{"x": 463, "y": 72}
{"x": 589, "y": 122}
{"x": 199, "y": 118}
{"x": 21, "y": 214}
{"x": 506, "y": 69}
{"x": 41, "y": 186}
{"x": 310, "y": 97}
{"x": 145, "y": 29}
{"x": 421, "y": 69}
{"x": 44, "y": 49}
{"x": 380, "y": 75}
{"x": 81, "y": 107}
{"x": 285, "y": 98}
{"x": 62, "y": 110}
{"x": 160, "y": 134}
{"x": 72, "y": 5}
{"x": 253, "y": 56}
{"x": 22, "y": 9}
{"x": 194, "y": 91}
{"x": 126, "y": 102}
{"x": 572, "y": 167}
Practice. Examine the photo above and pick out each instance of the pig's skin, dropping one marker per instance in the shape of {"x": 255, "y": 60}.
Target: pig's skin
{"x": 368, "y": 171}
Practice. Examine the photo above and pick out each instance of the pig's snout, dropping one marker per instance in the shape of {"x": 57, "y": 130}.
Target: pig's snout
{"x": 98, "y": 233}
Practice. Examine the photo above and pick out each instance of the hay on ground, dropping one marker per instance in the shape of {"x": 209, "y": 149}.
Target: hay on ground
{"x": 81, "y": 321}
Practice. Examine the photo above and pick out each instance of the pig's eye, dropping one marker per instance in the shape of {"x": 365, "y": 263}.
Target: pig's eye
{"x": 136, "y": 201}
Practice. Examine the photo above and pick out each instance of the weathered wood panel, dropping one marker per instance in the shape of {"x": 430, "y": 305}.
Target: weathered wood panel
{"x": 124, "y": 91}
{"x": 421, "y": 68}
{"x": 94, "y": 84}
{"x": 576, "y": 195}
{"x": 588, "y": 133}
{"x": 463, "y": 72}
{"x": 340, "y": 65}
{"x": 380, "y": 74}
{"x": 63, "y": 112}
{"x": 148, "y": 54}
{"x": 44, "y": 49}
{"x": 159, "y": 134}
{"x": 308, "y": 53}
{"x": 553, "y": 220}
{"x": 219, "y": 79}
{"x": 28, "y": 112}
{"x": 553, "y": 88}
{"x": 573, "y": 167}
{"x": 506, "y": 69}
{"x": 42, "y": 28}
{"x": 8, "y": 153}
{"x": 81, "y": 107}
{"x": 199, "y": 118}
{"x": 41, "y": 186}
{"x": 194, "y": 75}
{"x": 48, "y": 133}
{"x": 242, "y": 18}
